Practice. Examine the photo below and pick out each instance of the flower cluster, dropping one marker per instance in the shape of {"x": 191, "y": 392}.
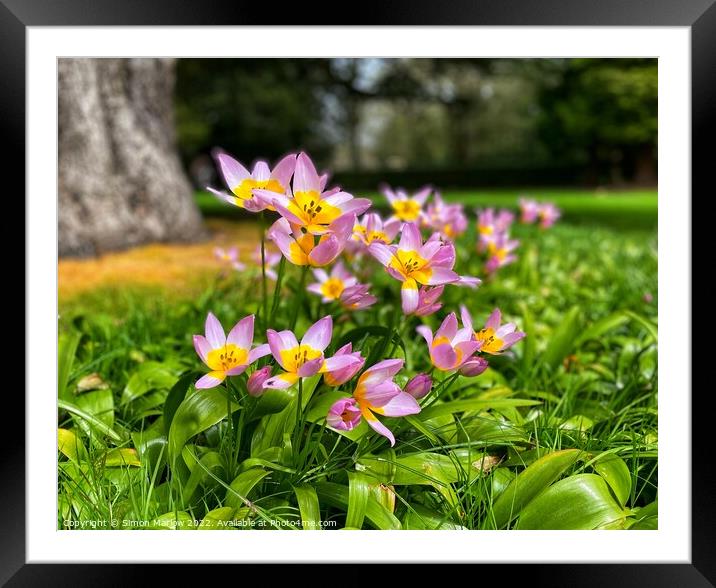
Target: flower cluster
{"x": 494, "y": 240}
{"x": 531, "y": 210}
{"x": 315, "y": 226}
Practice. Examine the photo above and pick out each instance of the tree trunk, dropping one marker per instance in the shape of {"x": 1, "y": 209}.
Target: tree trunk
{"x": 120, "y": 179}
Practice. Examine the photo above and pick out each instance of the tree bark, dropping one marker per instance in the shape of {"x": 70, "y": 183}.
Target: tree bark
{"x": 121, "y": 183}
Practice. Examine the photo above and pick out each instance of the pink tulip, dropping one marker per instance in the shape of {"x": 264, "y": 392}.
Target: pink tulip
{"x": 256, "y": 381}
{"x": 450, "y": 347}
{"x": 405, "y": 207}
{"x": 226, "y": 355}
{"x": 302, "y": 248}
{"x": 243, "y": 184}
{"x": 494, "y": 338}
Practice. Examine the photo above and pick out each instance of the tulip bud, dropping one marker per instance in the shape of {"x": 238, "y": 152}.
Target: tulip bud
{"x": 419, "y": 386}
{"x": 473, "y": 366}
{"x": 257, "y": 379}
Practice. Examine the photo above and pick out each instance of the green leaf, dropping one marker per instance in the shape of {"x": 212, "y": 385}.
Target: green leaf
{"x": 70, "y": 445}
{"x": 96, "y": 423}
{"x": 150, "y": 375}
{"x": 272, "y": 402}
{"x": 472, "y": 404}
{"x": 308, "y": 505}
{"x": 195, "y": 414}
{"x": 377, "y": 515}
{"x": 384, "y": 333}
{"x": 218, "y": 519}
{"x": 616, "y": 473}
{"x": 577, "y": 502}
{"x": 529, "y": 483}
{"x": 201, "y": 473}
{"x": 603, "y": 325}
{"x": 66, "y": 350}
{"x": 563, "y": 339}
{"x": 98, "y": 403}
{"x": 175, "y": 398}
{"x": 419, "y": 518}
{"x": 358, "y": 494}
{"x": 119, "y": 457}
{"x": 648, "y": 325}
{"x": 242, "y": 485}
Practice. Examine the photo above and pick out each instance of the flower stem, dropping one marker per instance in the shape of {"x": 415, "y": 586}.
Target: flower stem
{"x": 262, "y": 226}
{"x": 299, "y": 411}
{"x": 300, "y": 295}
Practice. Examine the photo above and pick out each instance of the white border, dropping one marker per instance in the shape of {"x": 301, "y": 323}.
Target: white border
{"x": 670, "y": 544}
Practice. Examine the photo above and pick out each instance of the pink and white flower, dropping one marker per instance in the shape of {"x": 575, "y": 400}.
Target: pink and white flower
{"x": 428, "y": 300}
{"x": 229, "y": 256}
{"x": 304, "y": 359}
{"x": 342, "y": 375}
{"x": 372, "y": 228}
{"x": 308, "y": 207}
{"x": 341, "y": 286}
{"x": 226, "y": 355}
{"x": 528, "y": 210}
{"x": 450, "y": 347}
{"x": 499, "y": 252}
{"x": 306, "y": 249}
{"x": 448, "y": 219}
{"x": 375, "y": 394}
{"x": 548, "y": 214}
{"x": 493, "y": 337}
{"x": 243, "y": 183}
{"x": 412, "y": 263}
{"x": 405, "y": 207}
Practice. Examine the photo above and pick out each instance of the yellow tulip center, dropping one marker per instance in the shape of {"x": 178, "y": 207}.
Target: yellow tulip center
{"x": 227, "y": 357}
{"x": 406, "y": 210}
{"x": 332, "y": 288}
{"x": 377, "y": 236}
{"x": 294, "y": 358}
{"x": 490, "y": 343}
{"x": 314, "y": 212}
{"x": 243, "y": 190}
{"x": 411, "y": 265}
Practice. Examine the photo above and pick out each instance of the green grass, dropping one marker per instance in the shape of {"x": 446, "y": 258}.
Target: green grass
{"x": 631, "y": 209}
{"x": 560, "y": 433}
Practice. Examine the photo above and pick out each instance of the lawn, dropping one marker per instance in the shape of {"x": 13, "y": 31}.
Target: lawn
{"x": 561, "y": 432}
{"x": 630, "y": 209}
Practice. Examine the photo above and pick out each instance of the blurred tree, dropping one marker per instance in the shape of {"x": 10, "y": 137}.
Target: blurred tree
{"x": 250, "y": 107}
{"x": 603, "y": 111}
{"x": 120, "y": 179}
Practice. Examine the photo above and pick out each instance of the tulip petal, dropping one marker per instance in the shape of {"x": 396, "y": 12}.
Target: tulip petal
{"x": 202, "y": 347}
{"x": 305, "y": 177}
{"x": 441, "y": 275}
{"x": 261, "y": 171}
{"x": 427, "y": 334}
{"x": 443, "y": 356}
{"x": 242, "y": 335}
{"x": 339, "y": 362}
{"x": 279, "y": 342}
{"x": 214, "y": 332}
{"x": 319, "y": 333}
{"x": 236, "y": 371}
{"x": 381, "y": 252}
{"x": 448, "y": 328}
{"x": 410, "y": 238}
{"x": 326, "y": 251}
{"x": 310, "y": 368}
{"x": 284, "y": 170}
{"x": 493, "y": 321}
{"x": 281, "y": 381}
{"x": 233, "y": 172}
{"x": 409, "y": 296}
{"x": 259, "y": 352}
{"x": 402, "y": 404}
{"x": 377, "y": 426}
{"x": 381, "y": 371}
{"x": 210, "y": 380}
{"x": 466, "y": 318}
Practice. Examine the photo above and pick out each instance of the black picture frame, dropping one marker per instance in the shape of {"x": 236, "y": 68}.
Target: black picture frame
{"x": 699, "y": 15}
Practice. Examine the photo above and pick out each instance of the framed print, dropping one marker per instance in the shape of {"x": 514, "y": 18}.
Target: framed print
{"x": 401, "y": 279}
